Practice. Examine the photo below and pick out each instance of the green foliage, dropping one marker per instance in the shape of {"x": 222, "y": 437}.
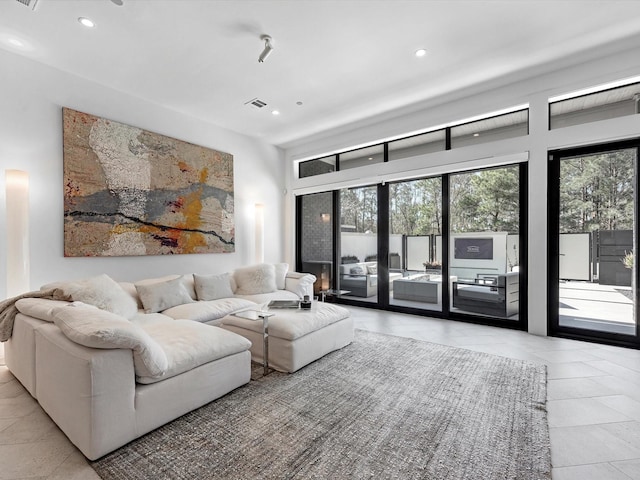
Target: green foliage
{"x": 485, "y": 200}
{"x": 596, "y": 192}
{"x": 415, "y": 207}
{"x": 359, "y": 208}
{"x": 432, "y": 265}
{"x": 628, "y": 260}
{"x": 349, "y": 259}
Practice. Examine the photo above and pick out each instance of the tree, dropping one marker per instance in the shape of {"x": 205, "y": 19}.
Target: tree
{"x": 485, "y": 200}
{"x": 597, "y": 192}
{"x": 415, "y": 207}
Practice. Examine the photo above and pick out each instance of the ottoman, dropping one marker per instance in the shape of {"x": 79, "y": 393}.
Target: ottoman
{"x": 296, "y": 337}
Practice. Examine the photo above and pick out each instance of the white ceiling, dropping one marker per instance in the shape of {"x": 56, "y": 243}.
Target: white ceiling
{"x": 345, "y": 60}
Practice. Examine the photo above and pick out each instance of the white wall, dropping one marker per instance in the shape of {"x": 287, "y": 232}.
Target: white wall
{"x": 598, "y": 66}
{"x": 363, "y": 244}
{"x": 31, "y": 101}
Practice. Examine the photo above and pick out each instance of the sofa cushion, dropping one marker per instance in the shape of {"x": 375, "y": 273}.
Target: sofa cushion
{"x": 95, "y": 328}
{"x": 357, "y": 270}
{"x": 281, "y": 274}
{"x": 100, "y": 291}
{"x": 213, "y": 287}
{"x": 157, "y": 297}
{"x": 142, "y": 318}
{"x": 293, "y": 324}
{"x": 187, "y": 281}
{"x": 300, "y": 284}
{"x": 188, "y": 345}
{"x": 265, "y": 298}
{"x": 255, "y": 279}
{"x": 40, "y": 308}
{"x": 207, "y": 311}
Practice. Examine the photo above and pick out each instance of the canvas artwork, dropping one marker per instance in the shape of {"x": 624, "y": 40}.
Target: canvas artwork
{"x": 128, "y": 191}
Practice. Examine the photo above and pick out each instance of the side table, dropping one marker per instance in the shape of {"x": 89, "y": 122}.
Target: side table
{"x": 258, "y": 315}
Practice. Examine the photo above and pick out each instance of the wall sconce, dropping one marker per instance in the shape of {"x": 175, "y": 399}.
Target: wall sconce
{"x": 17, "y": 231}
{"x": 259, "y": 212}
{"x": 324, "y": 278}
{"x": 326, "y": 218}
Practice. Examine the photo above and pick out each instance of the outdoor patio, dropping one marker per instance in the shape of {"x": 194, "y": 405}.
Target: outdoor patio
{"x": 606, "y": 308}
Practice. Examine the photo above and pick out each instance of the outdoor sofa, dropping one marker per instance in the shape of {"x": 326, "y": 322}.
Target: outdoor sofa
{"x": 361, "y": 279}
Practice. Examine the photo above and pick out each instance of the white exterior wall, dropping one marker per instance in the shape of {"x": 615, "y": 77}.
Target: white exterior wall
{"x": 535, "y": 90}
{"x": 31, "y": 101}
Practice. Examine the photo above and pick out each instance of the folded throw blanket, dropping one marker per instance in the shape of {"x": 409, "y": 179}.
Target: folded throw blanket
{"x": 8, "y": 310}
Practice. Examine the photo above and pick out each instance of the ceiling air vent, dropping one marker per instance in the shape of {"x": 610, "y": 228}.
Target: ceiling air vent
{"x": 256, "y": 103}
{"x": 29, "y": 3}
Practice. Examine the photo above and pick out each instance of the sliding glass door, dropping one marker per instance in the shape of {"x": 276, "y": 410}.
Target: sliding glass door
{"x": 358, "y": 269}
{"x": 452, "y": 246}
{"x": 415, "y": 231}
{"x": 484, "y": 236}
{"x": 593, "y": 242}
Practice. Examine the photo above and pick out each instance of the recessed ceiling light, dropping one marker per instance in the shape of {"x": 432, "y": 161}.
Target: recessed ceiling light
{"x": 476, "y": 134}
{"x": 421, "y": 52}
{"x": 275, "y": 112}
{"x": 87, "y": 22}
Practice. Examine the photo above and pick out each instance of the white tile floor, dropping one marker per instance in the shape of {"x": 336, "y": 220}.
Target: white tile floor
{"x": 593, "y": 402}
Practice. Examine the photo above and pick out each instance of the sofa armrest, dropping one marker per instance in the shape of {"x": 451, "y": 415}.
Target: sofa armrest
{"x": 300, "y": 283}
{"x": 89, "y": 393}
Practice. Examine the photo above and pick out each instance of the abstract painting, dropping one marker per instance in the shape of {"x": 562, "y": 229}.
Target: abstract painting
{"x": 128, "y": 191}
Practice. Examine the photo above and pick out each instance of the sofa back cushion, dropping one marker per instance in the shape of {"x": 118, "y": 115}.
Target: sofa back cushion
{"x": 256, "y": 279}
{"x": 95, "y": 328}
{"x": 281, "y": 274}
{"x": 156, "y": 297}
{"x": 361, "y": 268}
{"x": 100, "y": 291}
{"x": 213, "y": 287}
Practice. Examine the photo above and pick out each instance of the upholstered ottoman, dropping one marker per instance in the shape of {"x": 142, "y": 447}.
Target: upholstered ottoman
{"x": 296, "y": 337}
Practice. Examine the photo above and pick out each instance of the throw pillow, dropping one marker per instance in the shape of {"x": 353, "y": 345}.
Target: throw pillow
{"x": 102, "y": 292}
{"x": 356, "y": 270}
{"x": 372, "y": 269}
{"x": 213, "y": 287}
{"x": 255, "y": 279}
{"x": 95, "y": 328}
{"x": 157, "y": 297}
{"x": 281, "y": 274}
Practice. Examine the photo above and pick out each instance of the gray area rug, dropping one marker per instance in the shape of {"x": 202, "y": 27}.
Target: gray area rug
{"x": 383, "y": 407}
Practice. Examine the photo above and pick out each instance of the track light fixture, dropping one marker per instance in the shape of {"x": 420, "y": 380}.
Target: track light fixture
{"x": 268, "y": 48}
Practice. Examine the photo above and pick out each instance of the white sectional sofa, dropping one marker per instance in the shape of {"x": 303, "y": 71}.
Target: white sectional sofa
{"x": 113, "y": 361}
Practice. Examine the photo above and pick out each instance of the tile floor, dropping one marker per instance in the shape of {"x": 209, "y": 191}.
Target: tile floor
{"x": 593, "y": 403}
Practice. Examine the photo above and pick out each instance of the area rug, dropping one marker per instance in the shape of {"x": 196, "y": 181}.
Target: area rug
{"x": 384, "y": 407}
